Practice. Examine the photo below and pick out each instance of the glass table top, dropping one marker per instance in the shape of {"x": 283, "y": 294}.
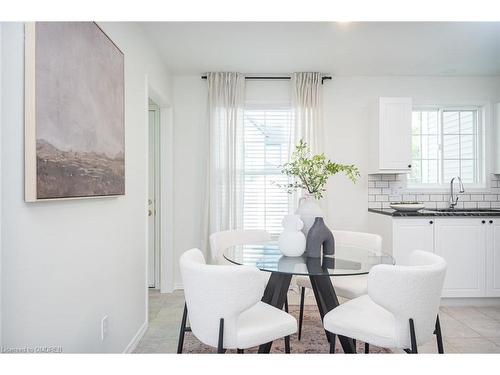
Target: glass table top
{"x": 348, "y": 260}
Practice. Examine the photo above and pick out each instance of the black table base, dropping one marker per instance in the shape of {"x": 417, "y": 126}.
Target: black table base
{"x": 326, "y": 299}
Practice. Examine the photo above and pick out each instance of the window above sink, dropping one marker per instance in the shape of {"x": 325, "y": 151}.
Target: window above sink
{"x": 447, "y": 142}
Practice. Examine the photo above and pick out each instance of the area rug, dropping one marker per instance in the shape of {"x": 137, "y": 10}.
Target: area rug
{"x": 313, "y": 339}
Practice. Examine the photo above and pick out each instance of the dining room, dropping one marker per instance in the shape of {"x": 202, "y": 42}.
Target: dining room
{"x": 317, "y": 178}
{"x": 223, "y": 191}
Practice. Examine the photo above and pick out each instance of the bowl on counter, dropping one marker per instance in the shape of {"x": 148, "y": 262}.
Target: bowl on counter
{"x": 407, "y": 206}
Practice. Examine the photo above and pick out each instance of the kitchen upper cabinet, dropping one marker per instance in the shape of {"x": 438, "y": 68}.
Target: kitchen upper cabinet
{"x": 410, "y": 235}
{"x": 462, "y": 243}
{"x": 493, "y": 257}
{"x": 391, "y": 136}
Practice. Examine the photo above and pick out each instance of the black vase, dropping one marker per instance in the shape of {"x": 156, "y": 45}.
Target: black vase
{"x": 319, "y": 238}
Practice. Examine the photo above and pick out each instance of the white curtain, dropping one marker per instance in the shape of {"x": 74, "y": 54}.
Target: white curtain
{"x": 223, "y": 201}
{"x": 307, "y": 102}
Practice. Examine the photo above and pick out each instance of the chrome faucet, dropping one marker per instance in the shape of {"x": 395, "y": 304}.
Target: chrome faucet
{"x": 454, "y": 200}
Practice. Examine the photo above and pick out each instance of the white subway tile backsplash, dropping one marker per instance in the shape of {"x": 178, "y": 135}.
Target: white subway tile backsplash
{"x": 470, "y": 204}
{"x": 483, "y": 204}
{"x": 395, "y": 198}
{"x": 423, "y": 197}
{"x": 409, "y": 197}
{"x": 436, "y": 197}
{"x": 442, "y": 204}
{"x": 381, "y": 184}
{"x": 386, "y": 188}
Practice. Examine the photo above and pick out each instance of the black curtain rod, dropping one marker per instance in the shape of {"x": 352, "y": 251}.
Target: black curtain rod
{"x": 275, "y": 77}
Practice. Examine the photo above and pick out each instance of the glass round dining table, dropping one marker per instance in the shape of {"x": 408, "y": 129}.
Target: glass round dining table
{"x": 347, "y": 261}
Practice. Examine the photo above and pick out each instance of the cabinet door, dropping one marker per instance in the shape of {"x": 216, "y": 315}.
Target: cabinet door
{"x": 493, "y": 257}
{"x": 462, "y": 243}
{"x": 410, "y": 235}
{"x": 395, "y": 133}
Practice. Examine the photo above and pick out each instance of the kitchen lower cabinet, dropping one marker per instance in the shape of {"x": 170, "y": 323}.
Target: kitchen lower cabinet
{"x": 493, "y": 257}
{"x": 470, "y": 246}
{"x": 462, "y": 243}
{"x": 410, "y": 235}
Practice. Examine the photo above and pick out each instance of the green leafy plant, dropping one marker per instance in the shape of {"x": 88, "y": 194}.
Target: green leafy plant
{"x": 311, "y": 172}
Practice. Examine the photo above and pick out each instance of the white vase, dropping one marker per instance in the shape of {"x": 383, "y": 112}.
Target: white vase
{"x": 292, "y": 241}
{"x": 308, "y": 210}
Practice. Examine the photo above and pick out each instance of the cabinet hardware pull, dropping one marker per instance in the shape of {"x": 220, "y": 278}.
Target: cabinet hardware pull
{"x": 409, "y": 165}
{"x": 491, "y": 221}
{"x": 483, "y": 221}
{"x": 431, "y": 222}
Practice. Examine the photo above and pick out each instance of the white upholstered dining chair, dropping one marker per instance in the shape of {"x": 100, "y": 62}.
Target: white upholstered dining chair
{"x": 348, "y": 287}
{"x": 220, "y": 241}
{"x": 224, "y": 308}
{"x": 400, "y": 309}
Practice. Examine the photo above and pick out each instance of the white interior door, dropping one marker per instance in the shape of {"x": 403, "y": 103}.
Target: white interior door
{"x": 153, "y": 195}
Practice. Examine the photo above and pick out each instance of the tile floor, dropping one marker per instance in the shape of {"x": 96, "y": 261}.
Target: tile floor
{"x": 465, "y": 329}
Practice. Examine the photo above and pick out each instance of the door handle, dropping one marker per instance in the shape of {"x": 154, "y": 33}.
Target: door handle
{"x": 150, "y": 212}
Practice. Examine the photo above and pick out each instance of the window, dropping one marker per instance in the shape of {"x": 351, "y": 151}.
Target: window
{"x": 266, "y": 136}
{"x": 446, "y": 142}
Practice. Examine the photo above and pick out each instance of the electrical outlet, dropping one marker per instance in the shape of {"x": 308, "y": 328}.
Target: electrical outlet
{"x": 104, "y": 327}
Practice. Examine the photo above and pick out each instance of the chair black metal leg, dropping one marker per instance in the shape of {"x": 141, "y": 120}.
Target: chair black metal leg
{"x": 439, "y": 337}
{"x": 332, "y": 343}
{"x": 240, "y": 351}
{"x": 367, "y": 348}
{"x": 287, "y": 344}
{"x": 286, "y": 304}
{"x": 413, "y": 338}
{"x": 182, "y": 330}
{"x": 301, "y": 313}
{"x": 220, "y": 345}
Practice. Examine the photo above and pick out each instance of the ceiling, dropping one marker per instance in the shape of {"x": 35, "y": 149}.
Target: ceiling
{"x": 353, "y": 48}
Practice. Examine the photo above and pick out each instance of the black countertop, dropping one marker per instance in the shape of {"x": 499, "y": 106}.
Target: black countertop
{"x": 486, "y": 212}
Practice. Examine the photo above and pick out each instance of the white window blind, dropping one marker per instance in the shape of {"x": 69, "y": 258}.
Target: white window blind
{"x": 266, "y": 137}
{"x": 446, "y": 142}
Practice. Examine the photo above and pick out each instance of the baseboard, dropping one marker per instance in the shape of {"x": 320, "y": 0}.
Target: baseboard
{"x": 137, "y": 337}
{"x": 471, "y": 301}
{"x": 178, "y": 286}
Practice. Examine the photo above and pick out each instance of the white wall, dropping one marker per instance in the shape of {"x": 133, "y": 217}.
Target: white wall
{"x": 1, "y": 27}
{"x": 190, "y": 150}
{"x": 66, "y": 264}
{"x": 347, "y": 102}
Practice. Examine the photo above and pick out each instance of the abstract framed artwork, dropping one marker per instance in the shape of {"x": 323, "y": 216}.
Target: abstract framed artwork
{"x": 74, "y": 112}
